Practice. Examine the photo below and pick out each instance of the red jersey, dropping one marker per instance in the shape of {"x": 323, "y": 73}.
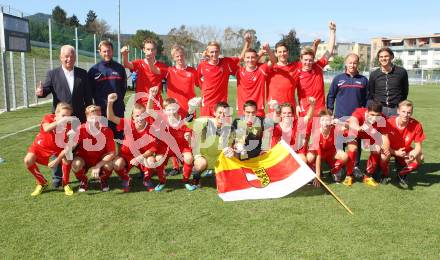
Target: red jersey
{"x": 403, "y": 137}
{"x": 179, "y": 135}
{"x": 289, "y": 137}
{"x": 180, "y": 86}
{"x": 94, "y": 147}
{"x": 48, "y": 140}
{"x": 140, "y": 141}
{"x": 327, "y": 144}
{"x": 251, "y": 86}
{"x": 311, "y": 84}
{"x": 215, "y": 81}
{"x": 282, "y": 83}
{"x": 381, "y": 126}
{"x": 147, "y": 79}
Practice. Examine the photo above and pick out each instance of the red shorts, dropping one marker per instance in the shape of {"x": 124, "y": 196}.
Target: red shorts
{"x": 329, "y": 158}
{"x": 42, "y": 155}
{"x": 90, "y": 162}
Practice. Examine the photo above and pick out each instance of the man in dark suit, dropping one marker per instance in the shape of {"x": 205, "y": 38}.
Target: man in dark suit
{"x": 67, "y": 84}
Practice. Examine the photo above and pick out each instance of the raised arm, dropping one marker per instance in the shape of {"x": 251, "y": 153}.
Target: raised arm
{"x": 269, "y": 52}
{"x": 125, "y": 62}
{"x": 332, "y": 39}
{"x": 111, "y": 99}
{"x": 315, "y": 44}
{"x": 151, "y": 96}
{"x": 246, "y": 45}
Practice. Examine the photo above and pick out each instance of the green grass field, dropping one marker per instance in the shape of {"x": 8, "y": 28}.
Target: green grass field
{"x": 388, "y": 222}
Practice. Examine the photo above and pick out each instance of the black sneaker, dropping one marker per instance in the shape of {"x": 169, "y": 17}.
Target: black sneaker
{"x": 385, "y": 180}
{"x": 173, "y": 172}
{"x": 357, "y": 173}
{"x": 337, "y": 177}
{"x": 403, "y": 181}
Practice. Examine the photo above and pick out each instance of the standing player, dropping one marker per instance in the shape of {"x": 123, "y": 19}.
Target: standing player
{"x": 310, "y": 74}
{"x": 251, "y": 79}
{"x": 150, "y": 72}
{"x": 108, "y": 77}
{"x": 181, "y": 80}
{"x": 214, "y": 76}
{"x": 327, "y": 150}
{"x": 369, "y": 125}
{"x": 139, "y": 147}
{"x": 95, "y": 151}
{"x": 282, "y": 83}
{"x": 49, "y": 142}
{"x": 404, "y": 130}
{"x": 349, "y": 91}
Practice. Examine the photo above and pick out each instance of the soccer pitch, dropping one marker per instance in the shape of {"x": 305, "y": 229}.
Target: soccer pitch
{"x": 388, "y": 222}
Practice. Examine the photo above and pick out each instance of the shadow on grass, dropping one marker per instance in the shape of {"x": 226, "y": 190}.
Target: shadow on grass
{"x": 421, "y": 177}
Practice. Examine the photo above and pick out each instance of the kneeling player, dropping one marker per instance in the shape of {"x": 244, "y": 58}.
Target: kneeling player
{"x": 327, "y": 151}
{"x": 45, "y": 146}
{"x": 176, "y": 138}
{"x": 369, "y": 125}
{"x": 211, "y": 135}
{"x": 404, "y": 130}
{"x": 95, "y": 151}
{"x": 138, "y": 147}
{"x": 288, "y": 128}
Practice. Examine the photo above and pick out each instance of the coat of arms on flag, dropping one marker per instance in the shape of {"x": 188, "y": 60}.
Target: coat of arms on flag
{"x": 274, "y": 174}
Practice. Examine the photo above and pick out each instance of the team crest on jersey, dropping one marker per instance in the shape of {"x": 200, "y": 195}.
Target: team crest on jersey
{"x": 358, "y": 82}
{"x": 341, "y": 82}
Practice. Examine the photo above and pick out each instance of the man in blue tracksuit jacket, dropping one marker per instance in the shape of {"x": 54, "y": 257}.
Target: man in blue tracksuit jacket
{"x": 107, "y": 77}
{"x": 350, "y": 91}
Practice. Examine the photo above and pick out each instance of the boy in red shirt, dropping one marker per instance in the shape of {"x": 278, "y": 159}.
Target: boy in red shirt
{"x": 291, "y": 130}
{"x": 51, "y": 140}
{"x": 310, "y": 75}
{"x": 327, "y": 150}
{"x": 251, "y": 79}
{"x": 175, "y": 137}
{"x": 368, "y": 124}
{"x": 214, "y": 73}
{"x": 139, "y": 146}
{"x": 404, "y": 130}
{"x": 150, "y": 72}
{"x": 95, "y": 151}
{"x": 181, "y": 80}
{"x": 282, "y": 83}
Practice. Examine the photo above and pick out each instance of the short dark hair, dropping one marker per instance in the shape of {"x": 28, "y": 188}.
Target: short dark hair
{"x": 281, "y": 44}
{"x": 250, "y": 103}
{"x": 387, "y": 49}
{"x": 250, "y": 50}
{"x": 374, "y": 106}
{"x": 149, "y": 40}
{"x": 221, "y": 104}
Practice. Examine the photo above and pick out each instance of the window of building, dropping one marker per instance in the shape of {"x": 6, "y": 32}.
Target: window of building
{"x": 423, "y": 62}
{"x": 410, "y": 62}
{"x": 436, "y": 62}
{"x": 411, "y": 52}
{"x": 424, "y": 52}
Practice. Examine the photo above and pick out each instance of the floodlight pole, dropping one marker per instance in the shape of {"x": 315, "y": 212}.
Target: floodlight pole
{"x": 94, "y": 46}
{"x": 50, "y": 44}
{"x": 119, "y": 30}
{"x": 76, "y": 45}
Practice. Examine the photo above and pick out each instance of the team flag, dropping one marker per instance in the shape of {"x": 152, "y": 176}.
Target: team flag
{"x": 274, "y": 174}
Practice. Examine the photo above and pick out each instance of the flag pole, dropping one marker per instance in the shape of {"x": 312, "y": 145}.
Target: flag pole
{"x": 334, "y": 195}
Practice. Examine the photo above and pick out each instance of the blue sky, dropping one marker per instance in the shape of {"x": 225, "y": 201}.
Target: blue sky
{"x": 356, "y": 20}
